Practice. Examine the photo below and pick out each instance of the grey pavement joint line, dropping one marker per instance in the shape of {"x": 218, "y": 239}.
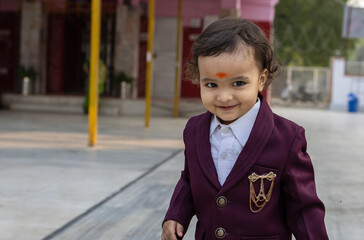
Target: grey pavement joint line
{"x": 88, "y": 211}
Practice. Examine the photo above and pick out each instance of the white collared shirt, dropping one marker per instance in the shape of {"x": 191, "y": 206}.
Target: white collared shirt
{"x": 227, "y": 141}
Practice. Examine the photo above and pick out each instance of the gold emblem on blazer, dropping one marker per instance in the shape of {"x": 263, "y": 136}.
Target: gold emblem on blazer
{"x": 262, "y": 198}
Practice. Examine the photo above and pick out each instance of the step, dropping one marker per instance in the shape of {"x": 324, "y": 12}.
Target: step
{"x": 40, "y": 99}
{"x": 108, "y": 106}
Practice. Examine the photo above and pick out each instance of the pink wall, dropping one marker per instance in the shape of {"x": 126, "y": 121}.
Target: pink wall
{"x": 230, "y": 4}
{"x": 6, "y": 5}
{"x": 14, "y": 5}
{"x": 256, "y": 10}
{"x": 190, "y": 9}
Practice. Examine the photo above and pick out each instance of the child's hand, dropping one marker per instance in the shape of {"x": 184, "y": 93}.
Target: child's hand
{"x": 172, "y": 230}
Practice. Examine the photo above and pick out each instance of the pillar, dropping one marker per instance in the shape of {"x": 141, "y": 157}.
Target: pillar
{"x": 30, "y": 39}
{"x": 126, "y": 57}
{"x": 230, "y": 8}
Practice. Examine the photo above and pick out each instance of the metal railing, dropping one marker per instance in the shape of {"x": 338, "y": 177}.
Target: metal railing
{"x": 303, "y": 86}
{"x": 354, "y": 68}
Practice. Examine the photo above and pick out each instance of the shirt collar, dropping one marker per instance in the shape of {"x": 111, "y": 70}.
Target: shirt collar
{"x": 240, "y": 127}
{"x": 215, "y": 124}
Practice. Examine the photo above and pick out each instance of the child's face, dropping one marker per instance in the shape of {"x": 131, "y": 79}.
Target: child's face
{"x": 230, "y": 83}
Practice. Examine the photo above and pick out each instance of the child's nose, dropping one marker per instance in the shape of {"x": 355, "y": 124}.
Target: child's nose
{"x": 224, "y": 96}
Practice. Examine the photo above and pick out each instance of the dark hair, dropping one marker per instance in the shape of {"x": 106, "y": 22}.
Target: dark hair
{"x": 225, "y": 35}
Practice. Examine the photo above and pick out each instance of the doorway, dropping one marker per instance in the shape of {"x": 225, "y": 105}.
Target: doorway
{"x": 9, "y": 45}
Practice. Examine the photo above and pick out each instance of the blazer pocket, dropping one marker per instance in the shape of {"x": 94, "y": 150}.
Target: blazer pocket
{"x": 261, "y": 185}
{"x": 260, "y": 238}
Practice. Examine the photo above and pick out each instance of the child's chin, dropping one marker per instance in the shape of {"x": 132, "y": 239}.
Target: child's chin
{"x": 226, "y": 121}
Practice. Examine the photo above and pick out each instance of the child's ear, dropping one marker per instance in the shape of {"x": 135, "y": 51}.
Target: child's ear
{"x": 263, "y": 79}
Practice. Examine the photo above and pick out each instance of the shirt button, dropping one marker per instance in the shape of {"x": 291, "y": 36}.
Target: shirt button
{"x": 225, "y": 130}
{"x": 220, "y": 233}
{"x": 223, "y": 155}
{"x": 221, "y": 201}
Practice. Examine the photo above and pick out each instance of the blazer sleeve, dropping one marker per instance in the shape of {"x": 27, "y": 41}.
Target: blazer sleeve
{"x": 181, "y": 207}
{"x": 304, "y": 210}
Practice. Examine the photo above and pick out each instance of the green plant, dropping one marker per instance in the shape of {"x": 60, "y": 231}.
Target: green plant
{"x": 29, "y": 72}
{"x": 122, "y": 77}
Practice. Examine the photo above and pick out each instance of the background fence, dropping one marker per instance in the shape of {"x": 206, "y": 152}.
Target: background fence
{"x": 302, "y": 86}
{"x": 355, "y": 68}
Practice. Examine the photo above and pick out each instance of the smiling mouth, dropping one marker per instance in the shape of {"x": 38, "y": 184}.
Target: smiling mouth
{"x": 226, "y": 108}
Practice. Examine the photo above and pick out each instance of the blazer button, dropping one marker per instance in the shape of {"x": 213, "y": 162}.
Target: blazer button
{"x": 220, "y": 233}
{"x": 221, "y": 201}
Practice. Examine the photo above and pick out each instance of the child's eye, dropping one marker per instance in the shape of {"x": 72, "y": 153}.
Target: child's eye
{"x": 211, "y": 85}
{"x": 238, "y": 83}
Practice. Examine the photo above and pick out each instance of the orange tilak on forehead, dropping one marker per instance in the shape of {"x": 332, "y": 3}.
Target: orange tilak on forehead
{"x": 221, "y": 75}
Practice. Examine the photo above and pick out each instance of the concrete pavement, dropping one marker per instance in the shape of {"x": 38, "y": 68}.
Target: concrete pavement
{"x": 52, "y": 186}
{"x": 48, "y": 175}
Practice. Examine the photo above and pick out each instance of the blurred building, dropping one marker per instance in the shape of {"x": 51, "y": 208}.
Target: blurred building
{"x": 51, "y": 37}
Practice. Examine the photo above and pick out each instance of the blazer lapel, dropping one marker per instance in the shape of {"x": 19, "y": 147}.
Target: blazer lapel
{"x": 258, "y": 138}
{"x": 204, "y": 149}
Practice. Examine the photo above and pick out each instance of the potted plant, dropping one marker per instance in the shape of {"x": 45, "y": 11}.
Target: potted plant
{"x": 27, "y": 75}
{"x": 125, "y": 81}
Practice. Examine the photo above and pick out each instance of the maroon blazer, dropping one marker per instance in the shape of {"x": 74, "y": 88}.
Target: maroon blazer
{"x": 275, "y": 145}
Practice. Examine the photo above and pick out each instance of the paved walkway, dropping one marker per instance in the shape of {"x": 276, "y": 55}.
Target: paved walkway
{"x": 52, "y": 186}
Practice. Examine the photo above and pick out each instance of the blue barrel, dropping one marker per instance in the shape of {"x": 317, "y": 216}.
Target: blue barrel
{"x": 353, "y": 102}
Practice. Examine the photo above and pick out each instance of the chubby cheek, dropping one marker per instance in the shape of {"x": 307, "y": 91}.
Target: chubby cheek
{"x": 206, "y": 98}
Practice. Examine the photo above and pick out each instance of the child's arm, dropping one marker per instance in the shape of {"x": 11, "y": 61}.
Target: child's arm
{"x": 181, "y": 208}
{"x": 304, "y": 210}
